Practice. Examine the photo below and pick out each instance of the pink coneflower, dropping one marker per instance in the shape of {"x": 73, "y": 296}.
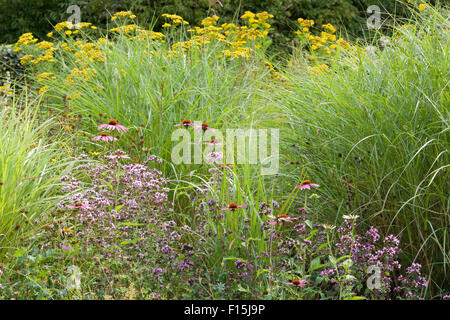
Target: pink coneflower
{"x": 298, "y": 283}
{"x": 117, "y": 156}
{"x": 104, "y": 136}
{"x": 79, "y": 205}
{"x": 280, "y": 219}
{"x": 307, "y": 185}
{"x": 113, "y": 124}
{"x": 213, "y": 142}
{"x": 65, "y": 247}
{"x": 233, "y": 206}
{"x": 185, "y": 123}
{"x": 204, "y": 127}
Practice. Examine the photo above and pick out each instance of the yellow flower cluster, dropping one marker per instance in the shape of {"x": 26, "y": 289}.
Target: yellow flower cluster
{"x": 83, "y": 25}
{"x": 43, "y": 89}
{"x": 48, "y": 56}
{"x": 145, "y": 35}
{"x": 123, "y": 14}
{"x": 126, "y": 29}
{"x": 88, "y": 52}
{"x": 305, "y": 22}
{"x": 329, "y": 27}
{"x": 4, "y": 88}
{"x": 41, "y": 77}
{"x": 176, "y": 19}
{"x": 320, "y": 69}
{"x": 258, "y": 20}
{"x": 85, "y": 74}
{"x": 44, "y": 45}
{"x": 327, "y": 41}
{"x": 63, "y": 25}
{"x": 24, "y": 40}
{"x": 239, "y": 40}
{"x": 25, "y": 59}
{"x": 210, "y": 21}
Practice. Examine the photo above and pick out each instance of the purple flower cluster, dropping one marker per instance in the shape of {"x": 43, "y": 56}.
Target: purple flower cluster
{"x": 369, "y": 251}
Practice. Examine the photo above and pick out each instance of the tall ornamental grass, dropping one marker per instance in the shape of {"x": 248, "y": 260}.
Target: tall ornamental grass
{"x": 374, "y": 132}
{"x": 28, "y": 164}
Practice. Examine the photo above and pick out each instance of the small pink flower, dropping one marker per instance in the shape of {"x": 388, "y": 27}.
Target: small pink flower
{"x": 280, "y": 219}
{"x": 307, "y": 185}
{"x": 79, "y": 205}
{"x": 118, "y": 156}
{"x": 233, "y": 206}
{"x": 204, "y": 126}
{"x": 65, "y": 247}
{"x": 226, "y": 166}
{"x": 113, "y": 124}
{"x": 185, "y": 123}
{"x": 298, "y": 283}
{"x": 104, "y": 137}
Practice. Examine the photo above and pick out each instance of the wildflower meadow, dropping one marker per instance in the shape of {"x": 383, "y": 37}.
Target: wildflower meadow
{"x": 197, "y": 162}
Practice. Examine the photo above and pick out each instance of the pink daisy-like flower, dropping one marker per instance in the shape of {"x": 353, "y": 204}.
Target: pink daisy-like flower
{"x": 280, "y": 219}
{"x": 233, "y": 206}
{"x": 118, "y": 156}
{"x": 307, "y": 185}
{"x": 113, "y": 124}
{"x": 104, "y": 137}
{"x": 185, "y": 123}
{"x": 298, "y": 283}
{"x": 79, "y": 205}
{"x": 204, "y": 126}
{"x": 65, "y": 247}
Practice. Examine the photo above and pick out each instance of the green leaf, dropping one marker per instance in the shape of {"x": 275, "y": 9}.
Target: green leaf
{"x": 117, "y": 208}
{"x": 242, "y": 289}
{"x": 355, "y": 298}
{"x": 234, "y": 259}
{"x": 315, "y": 263}
{"x": 261, "y": 271}
{"x": 321, "y": 247}
{"x": 130, "y": 224}
{"x": 332, "y": 260}
{"x": 130, "y": 241}
{"x": 20, "y": 252}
